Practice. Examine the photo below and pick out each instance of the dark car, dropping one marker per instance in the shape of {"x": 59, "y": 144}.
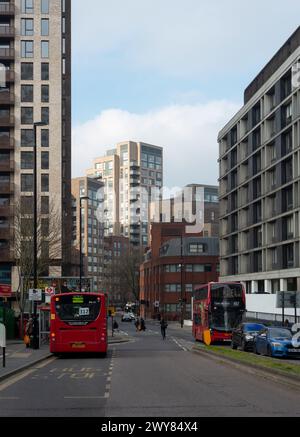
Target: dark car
{"x": 243, "y": 336}
{"x": 277, "y": 342}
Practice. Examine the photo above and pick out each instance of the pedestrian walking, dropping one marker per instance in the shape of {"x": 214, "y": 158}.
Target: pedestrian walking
{"x": 163, "y": 327}
{"x": 137, "y": 325}
{"x": 143, "y": 325}
{"x": 28, "y": 332}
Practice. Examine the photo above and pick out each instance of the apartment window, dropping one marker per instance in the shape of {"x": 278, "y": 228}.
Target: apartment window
{"x": 172, "y": 288}
{"x": 196, "y": 248}
{"x": 27, "y": 27}
{"x": 45, "y": 183}
{"x": 45, "y": 115}
{"x": 27, "y": 138}
{"x": 45, "y": 27}
{"x": 26, "y": 71}
{"x": 26, "y": 205}
{"x": 45, "y": 71}
{"x": 45, "y": 93}
{"x": 27, "y": 160}
{"x": 45, "y": 160}
{"x": 45, "y": 138}
{"x": 27, "y": 182}
{"x": 173, "y": 268}
{"x": 274, "y": 255}
{"x": 45, "y": 49}
{"x": 26, "y": 115}
{"x": 45, "y": 205}
{"x": 27, "y": 49}
{"x": 27, "y": 93}
{"x": 27, "y": 7}
{"x": 45, "y": 6}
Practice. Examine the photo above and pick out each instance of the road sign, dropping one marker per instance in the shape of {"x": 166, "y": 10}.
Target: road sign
{"x": 35, "y": 295}
{"x": 50, "y": 291}
{"x": 288, "y": 299}
{"x": 156, "y": 304}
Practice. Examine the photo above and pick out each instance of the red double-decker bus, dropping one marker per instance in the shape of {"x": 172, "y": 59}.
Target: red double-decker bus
{"x": 78, "y": 323}
{"x": 217, "y": 309}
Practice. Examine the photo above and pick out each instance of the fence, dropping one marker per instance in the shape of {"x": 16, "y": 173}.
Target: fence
{"x": 276, "y": 319}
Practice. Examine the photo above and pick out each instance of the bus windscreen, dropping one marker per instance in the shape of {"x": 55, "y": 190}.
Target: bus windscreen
{"x": 78, "y": 308}
{"x": 227, "y": 306}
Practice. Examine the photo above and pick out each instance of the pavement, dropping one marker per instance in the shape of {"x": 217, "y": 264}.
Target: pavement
{"x": 19, "y": 358}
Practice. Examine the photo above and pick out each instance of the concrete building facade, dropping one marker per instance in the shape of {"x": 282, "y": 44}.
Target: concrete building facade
{"x": 35, "y": 55}
{"x": 260, "y": 180}
{"x": 130, "y": 172}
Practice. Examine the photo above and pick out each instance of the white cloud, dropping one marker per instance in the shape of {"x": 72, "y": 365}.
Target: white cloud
{"x": 188, "y": 134}
{"x": 179, "y": 37}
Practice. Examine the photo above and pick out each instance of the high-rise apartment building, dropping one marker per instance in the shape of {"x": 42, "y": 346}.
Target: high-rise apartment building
{"x": 91, "y": 230}
{"x": 35, "y": 58}
{"x": 260, "y": 179}
{"x": 129, "y": 173}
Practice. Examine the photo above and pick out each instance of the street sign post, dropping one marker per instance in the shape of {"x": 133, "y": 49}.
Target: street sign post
{"x": 35, "y": 295}
{"x": 3, "y": 341}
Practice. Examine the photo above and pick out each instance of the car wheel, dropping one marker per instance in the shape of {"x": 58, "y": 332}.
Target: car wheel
{"x": 269, "y": 352}
{"x": 244, "y": 346}
{"x": 233, "y": 345}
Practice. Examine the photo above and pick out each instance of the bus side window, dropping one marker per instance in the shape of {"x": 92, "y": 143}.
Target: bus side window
{"x": 197, "y": 319}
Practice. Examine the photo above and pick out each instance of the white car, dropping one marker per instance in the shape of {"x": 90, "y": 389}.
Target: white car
{"x": 128, "y": 317}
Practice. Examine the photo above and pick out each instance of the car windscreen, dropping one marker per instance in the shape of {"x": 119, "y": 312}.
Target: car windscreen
{"x": 253, "y": 328}
{"x": 280, "y": 333}
{"x": 78, "y": 308}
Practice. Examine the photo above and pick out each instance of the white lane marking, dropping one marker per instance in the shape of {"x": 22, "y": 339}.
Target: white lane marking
{"x": 106, "y": 396}
{"x": 84, "y": 397}
{"x": 108, "y": 379}
{"x": 9, "y": 399}
{"x": 178, "y": 344}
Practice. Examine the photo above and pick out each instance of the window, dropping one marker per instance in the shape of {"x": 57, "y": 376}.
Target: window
{"x": 45, "y": 115}
{"x": 27, "y": 160}
{"x": 45, "y": 49}
{"x": 27, "y": 182}
{"x": 27, "y": 93}
{"x": 44, "y": 205}
{"x": 26, "y": 71}
{"x": 45, "y": 160}
{"x": 172, "y": 288}
{"x": 45, "y": 93}
{"x": 173, "y": 268}
{"x": 27, "y": 49}
{"x": 196, "y": 248}
{"x": 45, "y": 183}
{"x": 45, "y": 71}
{"x": 27, "y": 27}
{"x": 45, "y": 138}
{"x": 27, "y": 7}
{"x": 27, "y": 205}
{"x": 45, "y": 27}
{"x": 26, "y": 115}
{"x": 27, "y": 138}
{"x": 45, "y": 6}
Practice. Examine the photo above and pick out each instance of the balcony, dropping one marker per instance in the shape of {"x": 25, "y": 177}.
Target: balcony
{"x": 6, "y": 143}
{"x": 7, "y": 54}
{"x": 7, "y": 188}
{"x": 5, "y": 255}
{"x": 7, "y": 121}
{"x": 5, "y": 234}
{"x": 7, "y": 98}
{"x": 7, "y": 31}
{"x": 7, "y": 165}
{"x": 7, "y": 9}
{"x": 6, "y": 211}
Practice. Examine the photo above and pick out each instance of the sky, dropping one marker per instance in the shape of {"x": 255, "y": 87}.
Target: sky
{"x": 170, "y": 73}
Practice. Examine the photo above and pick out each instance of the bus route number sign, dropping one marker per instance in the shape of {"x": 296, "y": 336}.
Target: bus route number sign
{"x": 84, "y": 311}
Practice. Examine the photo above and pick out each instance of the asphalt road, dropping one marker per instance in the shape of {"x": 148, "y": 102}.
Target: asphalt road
{"x": 147, "y": 377}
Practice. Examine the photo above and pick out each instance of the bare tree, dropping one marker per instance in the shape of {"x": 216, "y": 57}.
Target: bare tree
{"x": 48, "y": 245}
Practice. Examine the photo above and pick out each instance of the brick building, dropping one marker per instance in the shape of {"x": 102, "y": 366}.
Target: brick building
{"x": 175, "y": 264}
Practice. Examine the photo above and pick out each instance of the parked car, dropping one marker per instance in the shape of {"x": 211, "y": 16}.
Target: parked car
{"x": 243, "y": 336}
{"x": 128, "y": 317}
{"x": 276, "y": 342}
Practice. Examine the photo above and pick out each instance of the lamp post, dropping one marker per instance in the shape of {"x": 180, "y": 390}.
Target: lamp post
{"x": 182, "y": 285}
{"x": 35, "y": 232}
{"x": 80, "y": 241}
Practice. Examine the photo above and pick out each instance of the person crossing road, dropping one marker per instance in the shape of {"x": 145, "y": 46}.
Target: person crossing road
{"x": 163, "y": 327}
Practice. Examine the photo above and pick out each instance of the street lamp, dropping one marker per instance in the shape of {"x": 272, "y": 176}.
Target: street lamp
{"x": 183, "y": 295}
{"x": 35, "y": 232}
{"x": 80, "y": 242}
